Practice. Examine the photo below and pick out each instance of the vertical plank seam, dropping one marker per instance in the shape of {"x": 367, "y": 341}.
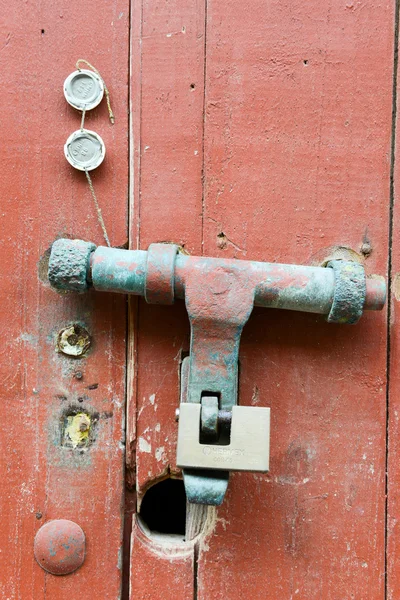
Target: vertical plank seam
{"x": 131, "y": 305}
{"x": 131, "y": 149}
{"x": 139, "y": 171}
{"x": 134, "y": 304}
{"x": 125, "y": 573}
{"x": 203, "y": 170}
{"x": 130, "y": 211}
{"x": 389, "y": 303}
{"x": 196, "y": 552}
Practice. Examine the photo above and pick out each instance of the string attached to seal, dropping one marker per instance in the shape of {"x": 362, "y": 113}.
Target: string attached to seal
{"x": 107, "y": 93}
{"x": 98, "y": 209}
{"x": 84, "y": 89}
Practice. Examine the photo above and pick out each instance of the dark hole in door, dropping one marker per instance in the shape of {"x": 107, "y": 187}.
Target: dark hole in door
{"x": 163, "y": 508}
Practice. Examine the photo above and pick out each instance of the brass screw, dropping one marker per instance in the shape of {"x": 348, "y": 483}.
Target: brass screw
{"x": 84, "y": 425}
{"x": 73, "y": 341}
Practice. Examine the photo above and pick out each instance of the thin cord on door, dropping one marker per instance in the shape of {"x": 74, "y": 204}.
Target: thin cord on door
{"x": 84, "y": 149}
{"x": 98, "y": 209}
{"x": 107, "y": 93}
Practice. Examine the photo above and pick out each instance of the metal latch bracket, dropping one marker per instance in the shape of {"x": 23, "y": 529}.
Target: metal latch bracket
{"x": 216, "y": 435}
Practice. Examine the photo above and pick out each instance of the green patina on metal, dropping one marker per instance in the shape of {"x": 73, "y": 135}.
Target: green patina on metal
{"x": 69, "y": 265}
{"x": 350, "y": 292}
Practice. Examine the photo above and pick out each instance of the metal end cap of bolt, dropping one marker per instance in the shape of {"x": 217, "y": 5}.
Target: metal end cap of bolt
{"x": 350, "y": 292}
{"x": 69, "y": 265}
{"x": 59, "y": 547}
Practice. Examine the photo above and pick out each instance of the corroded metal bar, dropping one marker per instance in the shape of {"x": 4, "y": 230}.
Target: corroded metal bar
{"x": 291, "y": 287}
{"x": 285, "y": 286}
{"x": 114, "y": 270}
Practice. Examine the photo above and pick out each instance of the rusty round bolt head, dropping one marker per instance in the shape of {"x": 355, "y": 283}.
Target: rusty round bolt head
{"x": 59, "y": 547}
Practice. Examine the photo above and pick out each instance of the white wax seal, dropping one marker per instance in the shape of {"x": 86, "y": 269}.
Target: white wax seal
{"x": 83, "y": 89}
{"x": 84, "y": 150}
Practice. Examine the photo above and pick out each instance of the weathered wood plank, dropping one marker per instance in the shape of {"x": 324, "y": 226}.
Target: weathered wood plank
{"x": 44, "y": 198}
{"x": 159, "y": 571}
{"x": 167, "y": 125}
{"x": 297, "y": 144}
{"x": 166, "y": 207}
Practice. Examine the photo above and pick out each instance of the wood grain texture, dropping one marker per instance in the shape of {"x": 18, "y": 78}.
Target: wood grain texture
{"x": 260, "y": 131}
{"x": 160, "y": 571}
{"x": 296, "y": 161}
{"x": 44, "y": 198}
{"x": 297, "y": 145}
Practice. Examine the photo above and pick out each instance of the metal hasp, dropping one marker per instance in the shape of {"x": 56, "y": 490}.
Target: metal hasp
{"x": 216, "y": 436}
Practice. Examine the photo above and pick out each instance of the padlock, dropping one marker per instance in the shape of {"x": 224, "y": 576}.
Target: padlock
{"x": 248, "y": 447}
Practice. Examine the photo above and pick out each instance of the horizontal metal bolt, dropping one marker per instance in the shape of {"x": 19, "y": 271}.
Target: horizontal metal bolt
{"x": 291, "y": 287}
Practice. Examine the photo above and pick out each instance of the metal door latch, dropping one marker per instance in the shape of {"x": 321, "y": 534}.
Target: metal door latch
{"x": 215, "y": 435}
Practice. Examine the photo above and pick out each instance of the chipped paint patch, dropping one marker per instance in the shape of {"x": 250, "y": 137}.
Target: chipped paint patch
{"x": 144, "y": 445}
{"x": 30, "y": 339}
{"x": 396, "y": 286}
{"x": 160, "y": 453}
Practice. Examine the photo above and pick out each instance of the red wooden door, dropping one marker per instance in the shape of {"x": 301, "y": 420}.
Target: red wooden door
{"x": 260, "y": 130}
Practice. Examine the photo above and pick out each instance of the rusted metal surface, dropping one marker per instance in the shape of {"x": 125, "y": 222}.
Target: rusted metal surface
{"x": 203, "y": 486}
{"x": 209, "y": 419}
{"x": 160, "y": 275}
{"x": 350, "y": 293}
{"x": 119, "y": 270}
{"x": 71, "y": 274}
{"x": 60, "y": 547}
{"x": 219, "y": 302}
{"x": 43, "y": 477}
